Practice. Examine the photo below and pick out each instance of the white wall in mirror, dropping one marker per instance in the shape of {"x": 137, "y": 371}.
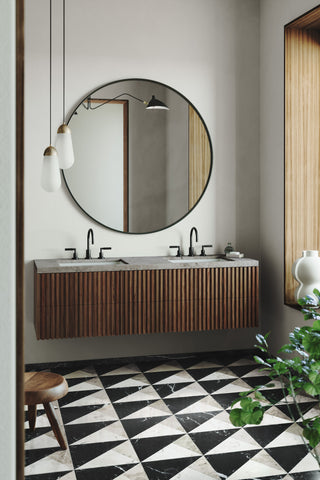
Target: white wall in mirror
{"x": 209, "y": 51}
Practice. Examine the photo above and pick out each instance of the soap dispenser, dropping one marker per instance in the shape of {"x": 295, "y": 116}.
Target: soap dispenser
{"x": 229, "y": 248}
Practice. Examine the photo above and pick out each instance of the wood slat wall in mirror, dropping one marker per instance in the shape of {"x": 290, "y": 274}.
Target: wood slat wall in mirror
{"x": 302, "y": 144}
{"x": 87, "y": 304}
{"x": 199, "y": 157}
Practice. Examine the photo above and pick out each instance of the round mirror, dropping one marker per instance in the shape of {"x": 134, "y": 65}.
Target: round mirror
{"x": 143, "y": 156}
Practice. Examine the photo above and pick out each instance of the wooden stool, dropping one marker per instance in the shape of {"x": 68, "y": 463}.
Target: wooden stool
{"x": 44, "y": 387}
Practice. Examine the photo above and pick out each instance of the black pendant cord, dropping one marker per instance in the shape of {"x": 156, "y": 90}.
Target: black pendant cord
{"x": 64, "y": 60}
{"x": 50, "y": 67}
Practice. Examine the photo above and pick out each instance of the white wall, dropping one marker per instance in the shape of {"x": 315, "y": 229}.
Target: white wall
{"x": 277, "y": 317}
{"x": 206, "y": 49}
{"x": 7, "y": 239}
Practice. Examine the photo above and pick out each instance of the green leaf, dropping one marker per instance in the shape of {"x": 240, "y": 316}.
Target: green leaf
{"x": 236, "y": 417}
{"x": 261, "y": 361}
{"x": 312, "y": 432}
{"x": 316, "y": 325}
{"x": 255, "y": 417}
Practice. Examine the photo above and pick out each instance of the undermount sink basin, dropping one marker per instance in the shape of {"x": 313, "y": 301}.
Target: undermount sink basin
{"x": 90, "y": 263}
{"x": 195, "y": 260}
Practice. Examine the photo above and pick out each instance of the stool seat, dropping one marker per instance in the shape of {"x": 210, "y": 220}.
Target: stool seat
{"x": 44, "y": 387}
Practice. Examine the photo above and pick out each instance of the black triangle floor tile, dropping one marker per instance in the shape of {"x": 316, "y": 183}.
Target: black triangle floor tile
{"x": 273, "y": 395}
{"x": 242, "y": 369}
{"x": 110, "y": 380}
{"x": 77, "y": 432}
{"x": 289, "y": 456}
{"x": 47, "y": 476}
{"x": 124, "y": 409}
{"x": 177, "y": 404}
{"x": 75, "y": 396}
{"x": 29, "y": 434}
{"x": 190, "y": 421}
{"x": 225, "y": 399}
{"x": 212, "y": 386}
{"x": 264, "y": 434}
{"x": 166, "y": 469}
{"x": 82, "y": 454}
{"x": 76, "y": 381}
{"x": 205, "y": 441}
{"x": 228, "y": 463}
{"x": 34, "y": 455}
{"x": 135, "y": 426}
{"x": 292, "y": 411}
{"x": 173, "y": 363}
{"x": 306, "y": 475}
{"x": 154, "y": 377}
{"x": 118, "y": 393}
{"x": 167, "y": 388}
{"x": 145, "y": 448}
{"x": 103, "y": 473}
{"x": 257, "y": 381}
{"x": 199, "y": 373}
{"x": 69, "y": 414}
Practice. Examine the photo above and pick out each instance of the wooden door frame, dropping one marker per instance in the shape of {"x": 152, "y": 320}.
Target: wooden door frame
{"x": 19, "y": 239}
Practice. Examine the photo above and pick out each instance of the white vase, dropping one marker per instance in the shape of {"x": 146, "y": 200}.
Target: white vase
{"x": 306, "y": 270}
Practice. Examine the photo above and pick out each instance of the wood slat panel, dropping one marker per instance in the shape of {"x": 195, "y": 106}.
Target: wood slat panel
{"x": 139, "y": 302}
{"x": 199, "y": 157}
{"x": 302, "y": 148}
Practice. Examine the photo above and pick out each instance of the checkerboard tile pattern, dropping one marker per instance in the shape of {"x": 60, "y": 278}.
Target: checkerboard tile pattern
{"x": 164, "y": 418}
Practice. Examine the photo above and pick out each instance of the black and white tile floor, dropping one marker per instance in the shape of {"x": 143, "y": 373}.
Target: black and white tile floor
{"x": 166, "y": 418}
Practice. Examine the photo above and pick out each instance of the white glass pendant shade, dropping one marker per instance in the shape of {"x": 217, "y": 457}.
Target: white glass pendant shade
{"x": 50, "y": 177}
{"x": 64, "y": 147}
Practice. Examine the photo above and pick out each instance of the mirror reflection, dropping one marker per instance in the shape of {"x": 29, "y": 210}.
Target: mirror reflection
{"x": 138, "y": 170}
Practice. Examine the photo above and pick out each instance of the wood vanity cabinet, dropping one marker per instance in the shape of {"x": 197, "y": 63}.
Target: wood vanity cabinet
{"x": 130, "y": 302}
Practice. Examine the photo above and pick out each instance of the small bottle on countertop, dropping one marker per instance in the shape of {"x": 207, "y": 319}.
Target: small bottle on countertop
{"x": 229, "y": 248}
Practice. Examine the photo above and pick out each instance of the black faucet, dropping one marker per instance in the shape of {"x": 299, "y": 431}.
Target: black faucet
{"x": 191, "y": 251}
{"x": 88, "y": 252}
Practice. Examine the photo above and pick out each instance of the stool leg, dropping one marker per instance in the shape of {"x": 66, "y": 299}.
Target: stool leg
{"x": 32, "y": 416}
{"x": 55, "y": 425}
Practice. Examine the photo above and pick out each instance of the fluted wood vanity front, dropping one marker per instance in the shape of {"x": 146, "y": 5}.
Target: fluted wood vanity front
{"x": 158, "y": 297}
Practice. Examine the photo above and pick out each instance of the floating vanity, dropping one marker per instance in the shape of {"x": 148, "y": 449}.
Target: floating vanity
{"x": 139, "y": 295}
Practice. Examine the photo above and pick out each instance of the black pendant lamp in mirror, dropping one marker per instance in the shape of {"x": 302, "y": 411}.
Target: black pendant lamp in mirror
{"x": 64, "y": 140}
{"x": 155, "y": 104}
{"x": 50, "y": 177}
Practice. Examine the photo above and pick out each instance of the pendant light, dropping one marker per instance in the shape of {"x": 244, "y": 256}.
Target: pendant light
{"x": 64, "y": 139}
{"x": 50, "y": 177}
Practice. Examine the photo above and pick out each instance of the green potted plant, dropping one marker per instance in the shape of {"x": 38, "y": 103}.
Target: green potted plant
{"x": 298, "y": 373}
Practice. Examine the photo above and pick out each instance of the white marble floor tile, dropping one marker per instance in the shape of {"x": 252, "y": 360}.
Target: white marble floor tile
{"x": 165, "y": 367}
{"x": 47, "y": 440}
{"x": 205, "y": 404}
{"x": 169, "y": 426}
{"x": 223, "y": 374}
{"x": 59, "y": 461}
{"x": 156, "y": 409}
{"x": 199, "y": 470}
{"x": 136, "y": 381}
{"x": 110, "y": 433}
{"x": 121, "y": 455}
{"x": 205, "y": 364}
{"x": 98, "y": 397}
{"x": 85, "y": 372}
{"x": 237, "y": 386}
{"x": 218, "y": 422}
{"x": 240, "y": 441}
{"x": 179, "y": 377}
{"x": 90, "y": 384}
{"x": 183, "y": 447}
{"x": 135, "y": 473}
{"x": 124, "y": 370}
{"x": 259, "y": 466}
{"x": 147, "y": 393}
{"x": 192, "y": 390}
{"x": 291, "y": 436}
{"x": 307, "y": 464}
{"x": 106, "y": 413}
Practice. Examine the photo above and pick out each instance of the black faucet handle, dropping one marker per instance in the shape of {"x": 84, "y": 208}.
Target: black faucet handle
{"x": 203, "y": 252}
{"x": 178, "y": 251}
{"x": 101, "y": 250}
{"x": 74, "y": 250}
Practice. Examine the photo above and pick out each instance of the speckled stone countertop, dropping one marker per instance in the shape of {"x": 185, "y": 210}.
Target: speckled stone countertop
{"x": 138, "y": 263}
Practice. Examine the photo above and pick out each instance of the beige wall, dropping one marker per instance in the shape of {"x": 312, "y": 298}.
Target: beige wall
{"x": 194, "y": 46}
{"x": 7, "y": 240}
{"x": 276, "y": 317}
